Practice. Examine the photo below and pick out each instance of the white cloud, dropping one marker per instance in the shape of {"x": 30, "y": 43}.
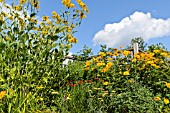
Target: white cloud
{"x": 138, "y": 24}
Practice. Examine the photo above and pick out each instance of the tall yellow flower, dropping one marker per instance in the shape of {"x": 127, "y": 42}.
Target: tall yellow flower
{"x": 22, "y": 1}
{"x": 166, "y": 101}
{"x": 82, "y": 15}
{"x": 45, "y": 18}
{"x": 2, "y": 94}
{"x": 126, "y": 73}
{"x": 157, "y": 98}
{"x": 168, "y": 85}
{"x": 88, "y": 63}
{"x": 156, "y": 51}
{"x": 105, "y": 83}
{"x": 109, "y": 64}
{"x": 2, "y": 0}
{"x": 125, "y": 53}
{"x": 102, "y": 54}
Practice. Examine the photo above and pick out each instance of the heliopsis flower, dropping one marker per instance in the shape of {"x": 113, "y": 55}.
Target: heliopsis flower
{"x": 131, "y": 80}
{"x": 164, "y": 54}
{"x": 126, "y": 73}
{"x": 157, "y": 98}
{"x": 104, "y": 70}
{"x": 166, "y": 101}
{"x": 88, "y": 63}
{"x": 125, "y": 53}
{"x": 100, "y": 64}
{"x": 110, "y": 59}
{"x": 109, "y": 64}
{"x": 105, "y": 83}
{"x": 45, "y": 18}
{"x": 82, "y": 15}
{"x": 156, "y": 51}
{"x": 18, "y": 8}
{"x": 2, "y": 0}
{"x": 54, "y": 13}
{"x": 168, "y": 85}
{"x": 102, "y": 54}
{"x": 22, "y": 1}
{"x": 2, "y": 94}
{"x": 68, "y": 97}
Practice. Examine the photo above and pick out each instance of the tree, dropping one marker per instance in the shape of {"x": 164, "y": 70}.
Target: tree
{"x": 141, "y": 43}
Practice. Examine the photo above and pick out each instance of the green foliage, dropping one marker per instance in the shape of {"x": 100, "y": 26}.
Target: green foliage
{"x": 142, "y": 45}
{"x": 33, "y": 79}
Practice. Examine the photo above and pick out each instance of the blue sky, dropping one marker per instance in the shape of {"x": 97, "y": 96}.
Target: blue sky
{"x": 145, "y": 18}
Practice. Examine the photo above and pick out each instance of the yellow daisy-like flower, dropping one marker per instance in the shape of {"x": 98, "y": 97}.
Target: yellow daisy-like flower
{"x": 166, "y": 101}
{"x": 131, "y": 80}
{"x": 54, "y": 13}
{"x": 164, "y": 54}
{"x": 100, "y": 64}
{"x": 2, "y": 94}
{"x": 125, "y": 53}
{"x": 126, "y": 73}
{"x": 102, "y": 54}
{"x": 105, "y": 83}
{"x": 157, "y": 98}
{"x": 22, "y": 1}
{"x": 45, "y": 18}
{"x": 2, "y": 0}
{"x": 82, "y": 15}
{"x": 156, "y": 51}
{"x": 109, "y": 64}
{"x": 88, "y": 63}
{"x": 168, "y": 85}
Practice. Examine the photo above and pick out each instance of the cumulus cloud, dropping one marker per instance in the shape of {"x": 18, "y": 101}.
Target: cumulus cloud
{"x": 136, "y": 25}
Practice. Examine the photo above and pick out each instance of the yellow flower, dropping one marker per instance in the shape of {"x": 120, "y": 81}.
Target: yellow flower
{"x": 166, "y": 101}
{"x": 22, "y": 1}
{"x": 2, "y": 0}
{"x": 137, "y": 56}
{"x": 105, "y": 83}
{"x": 45, "y": 18}
{"x": 88, "y": 63}
{"x": 98, "y": 75}
{"x": 168, "y": 85}
{"x": 68, "y": 29}
{"x": 164, "y": 54}
{"x": 18, "y": 8}
{"x": 87, "y": 68}
{"x": 157, "y": 98}
{"x": 109, "y": 64}
{"x": 102, "y": 54}
{"x": 154, "y": 65}
{"x": 39, "y": 87}
{"x": 82, "y": 15}
{"x": 156, "y": 51}
{"x": 68, "y": 97}
{"x": 44, "y": 32}
{"x": 71, "y": 5}
{"x": 131, "y": 80}
{"x": 104, "y": 70}
{"x": 82, "y": 5}
{"x": 100, "y": 64}
{"x": 54, "y": 13}
{"x": 110, "y": 59}
{"x": 2, "y": 94}
{"x": 97, "y": 88}
{"x": 68, "y": 3}
{"x": 126, "y": 73}
{"x": 125, "y": 53}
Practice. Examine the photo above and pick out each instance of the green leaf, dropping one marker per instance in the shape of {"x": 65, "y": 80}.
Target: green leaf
{"x": 54, "y": 38}
{"x": 33, "y": 14}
